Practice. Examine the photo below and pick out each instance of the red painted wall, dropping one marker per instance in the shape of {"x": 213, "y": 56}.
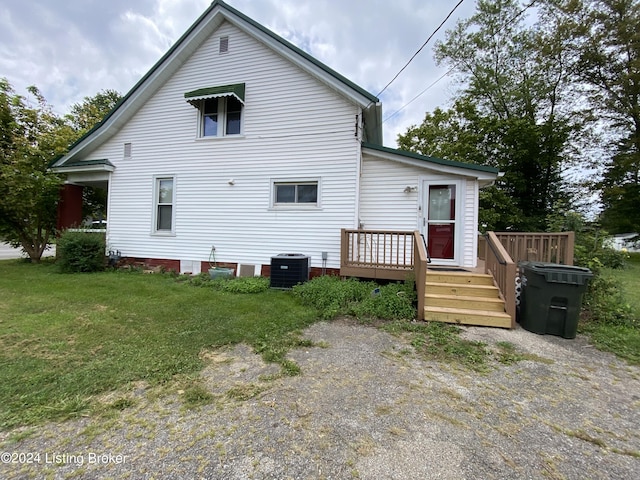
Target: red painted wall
{"x": 70, "y": 207}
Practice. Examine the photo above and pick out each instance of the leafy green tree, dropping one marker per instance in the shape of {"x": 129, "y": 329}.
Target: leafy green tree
{"x": 32, "y": 135}
{"x": 88, "y": 113}
{"x": 82, "y": 118}
{"x": 463, "y": 134}
{"x": 510, "y": 112}
{"x": 609, "y": 66}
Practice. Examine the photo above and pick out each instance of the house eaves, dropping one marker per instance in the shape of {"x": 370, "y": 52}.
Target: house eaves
{"x": 102, "y": 165}
{"x": 188, "y": 43}
{"x": 483, "y": 173}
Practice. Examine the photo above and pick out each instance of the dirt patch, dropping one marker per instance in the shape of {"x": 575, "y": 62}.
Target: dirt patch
{"x": 367, "y": 407}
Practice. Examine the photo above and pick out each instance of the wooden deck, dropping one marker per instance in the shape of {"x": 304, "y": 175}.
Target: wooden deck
{"x": 484, "y": 295}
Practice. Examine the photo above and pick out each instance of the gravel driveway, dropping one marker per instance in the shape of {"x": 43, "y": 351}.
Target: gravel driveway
{"x": 364, "y": 407}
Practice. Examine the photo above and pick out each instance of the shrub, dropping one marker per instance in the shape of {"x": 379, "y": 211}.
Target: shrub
{"x": 391, "y": 302}
{"x": 241, "y": 284}
{"x": 231, "y": 285}
{"x": 81, "y": 252}
{"x": 332, "y": 296}
{"x": 604, "y": 300}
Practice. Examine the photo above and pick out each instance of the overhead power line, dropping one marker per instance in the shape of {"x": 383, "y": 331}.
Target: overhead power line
{"x": 420, "y": 49}
{"x": 509, "y": 22}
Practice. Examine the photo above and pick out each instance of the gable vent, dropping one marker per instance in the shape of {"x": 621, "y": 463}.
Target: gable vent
{"x": 127, "y": 150}
{"x": 224, "y": 44}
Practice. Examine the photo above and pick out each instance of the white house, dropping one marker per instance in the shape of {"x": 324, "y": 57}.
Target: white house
{"x": 238, "y": 139}
{"x": 624, "y": 241}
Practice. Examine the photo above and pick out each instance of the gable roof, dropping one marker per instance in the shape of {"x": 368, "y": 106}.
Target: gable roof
{"x": 481, "y": 172}
{"x": 175, "y": 57}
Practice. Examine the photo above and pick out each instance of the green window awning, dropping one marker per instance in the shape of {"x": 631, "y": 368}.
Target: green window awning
{"x": 235, "y": 90}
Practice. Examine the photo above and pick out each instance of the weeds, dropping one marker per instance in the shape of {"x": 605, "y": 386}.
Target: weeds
{"x": 441, "y": 341}
{"x": 332, "y": 296}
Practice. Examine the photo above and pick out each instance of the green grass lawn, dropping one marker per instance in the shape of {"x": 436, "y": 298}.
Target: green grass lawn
{"x": 66, "y": 338}
{"x": 630, "y": 278}
{"x": 623, "y": 340}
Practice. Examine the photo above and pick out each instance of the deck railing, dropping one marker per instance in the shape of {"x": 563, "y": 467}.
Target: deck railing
{"x": 376, "y": 253}
{"x": 385, "y": 254}
{"x": 498, "y": 263}
{"x": 539, "y": 247}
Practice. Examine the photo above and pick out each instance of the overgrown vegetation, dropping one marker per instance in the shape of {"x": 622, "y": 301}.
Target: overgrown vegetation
{"x": 230, "y": 285}
{"x": 81, "y": 252}
{"x": 612, "y": 310}
{"x": 332, "y": 296}
{"x": 607, "y": 315}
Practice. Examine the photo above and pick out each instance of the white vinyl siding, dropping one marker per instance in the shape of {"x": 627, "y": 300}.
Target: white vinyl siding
{"x": 387, "y": 203}
{"x": 293, "y": 127}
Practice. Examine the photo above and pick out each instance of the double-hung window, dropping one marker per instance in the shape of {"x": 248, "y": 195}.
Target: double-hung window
{"x": 164, "y": 205}
{"x": 220, "y": 109}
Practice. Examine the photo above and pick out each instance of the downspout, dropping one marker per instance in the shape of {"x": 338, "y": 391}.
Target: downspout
{"x": 108, "y": 212}
{"x": 360, "y": 117}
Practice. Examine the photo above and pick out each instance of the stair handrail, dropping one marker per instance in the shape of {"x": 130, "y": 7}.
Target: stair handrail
{"x": 420, "y": 260}
{"x": 502, "y": 268}
{"x": 426, "y": 247}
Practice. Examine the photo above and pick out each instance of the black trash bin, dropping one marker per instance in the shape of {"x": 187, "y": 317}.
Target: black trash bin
{"x": 551, "y": 297}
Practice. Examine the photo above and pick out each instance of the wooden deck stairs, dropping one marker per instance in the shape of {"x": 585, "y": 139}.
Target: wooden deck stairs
{"x": 464, "y": 298}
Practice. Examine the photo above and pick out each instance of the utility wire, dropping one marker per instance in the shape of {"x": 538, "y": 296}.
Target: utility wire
{"x": 420, "y": 49}
{"x": 418, "y": 96}
{"x": 510, "y": 21}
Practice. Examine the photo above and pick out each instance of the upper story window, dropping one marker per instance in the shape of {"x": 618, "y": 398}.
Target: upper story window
{"x": 219, "y": 108}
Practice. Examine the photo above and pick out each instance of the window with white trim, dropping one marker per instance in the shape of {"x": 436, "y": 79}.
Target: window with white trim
{"x": 164, "y": 205}
{"x": 295, "y": 193}
{"x": 220, "y": 116}
{"x": 220, "y": 109}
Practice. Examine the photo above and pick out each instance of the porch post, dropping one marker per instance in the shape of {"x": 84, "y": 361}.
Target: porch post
{"x": 70, "y": 206}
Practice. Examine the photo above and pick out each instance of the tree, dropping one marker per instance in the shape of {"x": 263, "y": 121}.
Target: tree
{"x": 609, "y": 66}
{"x": 32, "y": 135}
{"x": 463, "y": 134}
{"x": 509, "y": 112}
{"x": 83, "y": 117}
{"x": 88, "y": 113}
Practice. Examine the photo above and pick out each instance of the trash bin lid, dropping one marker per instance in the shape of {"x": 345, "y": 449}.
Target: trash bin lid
{"x": 558, "y": 273}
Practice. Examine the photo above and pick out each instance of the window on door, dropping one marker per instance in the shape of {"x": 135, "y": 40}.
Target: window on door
{"x": 441, "y": 221}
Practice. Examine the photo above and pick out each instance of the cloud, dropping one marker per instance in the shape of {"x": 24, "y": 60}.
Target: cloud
{"x": 76, "y": 48}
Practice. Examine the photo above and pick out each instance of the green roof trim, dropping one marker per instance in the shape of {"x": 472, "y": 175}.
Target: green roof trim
{"x": 236, "y": 90}
{"x": 425, "y": 158}
{"x": 372, "y": 98}
{"x": 86, "y": 163}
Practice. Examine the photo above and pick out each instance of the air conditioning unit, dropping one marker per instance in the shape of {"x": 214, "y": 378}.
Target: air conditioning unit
{"x": 289, "y": 269}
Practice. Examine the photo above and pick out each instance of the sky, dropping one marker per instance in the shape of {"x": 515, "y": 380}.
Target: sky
{"x": 71, "y": 49}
